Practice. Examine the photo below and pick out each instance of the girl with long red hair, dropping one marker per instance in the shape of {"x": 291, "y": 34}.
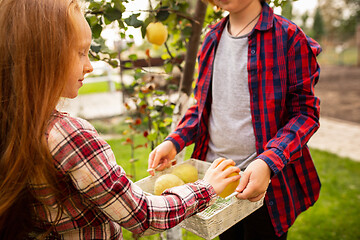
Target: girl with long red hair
{"x": 58, "y": 178}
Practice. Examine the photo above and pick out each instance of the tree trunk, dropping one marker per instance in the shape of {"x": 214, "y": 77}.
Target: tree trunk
{"x": 187, "y": 78}
{"x": 358, "y": 44}
{"x": 185, "y": 88}
{"x": 192, "y": 49}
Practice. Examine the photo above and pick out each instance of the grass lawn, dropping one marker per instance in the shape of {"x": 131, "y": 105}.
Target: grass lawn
{"x": 330, "y": 57}
{"x": 96, "y": 87}
{"x": 336, "y": 215}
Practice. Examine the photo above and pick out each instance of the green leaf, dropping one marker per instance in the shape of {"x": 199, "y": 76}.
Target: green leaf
{"x": 167, "y": 121}
{"x": 168, "y": 110}
{"x": 163, "y": 130}
{"x": 160, "y": 92}
{"x": 141, "y": 103}
{"x": 133, "y": 21}
{"x": 141, "y": 95}
{"x": 173, "y": 87}
{"x": 152, "y": 135}
{"x": 161, "y": 101}
{"x": 96, "y": 30}
{"x": 95, "y": 6}
{"x": 95, "y": 47}
{"x": 176, "y": 7}
{"x": 155, "y": 126}
{"x": 112, "y": 14}
{"x": 113, "y": 55}
{"x": 168, "y": 67}
{"x": 118, "y": 5}
{"x": 107, "y": 21}
{"x": 171, "y": 19}
{"x": 187, "y": 31}
{"x": 114, "y": 63}
{"x": 133, "y": 57}
{"x": 163, "y": 14}
{"x": 94, "y": 58}
{"x": 130, "y": 44}
{"x": 92, "y": 20}
{"x": 121, "y": 24}
{"x": 138, "y": 74}
{"x": 144, "y": 26}
{"x": 128, "y": 65}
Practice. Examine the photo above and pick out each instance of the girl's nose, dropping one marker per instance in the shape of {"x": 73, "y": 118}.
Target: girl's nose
{"x": 88, "y": 68}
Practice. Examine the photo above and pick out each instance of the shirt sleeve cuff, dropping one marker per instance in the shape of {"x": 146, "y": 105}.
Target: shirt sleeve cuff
{"x": 203, "y": 191}
{"x": 211, "y": 191}
{"x": 176, "y": 140}
{"x": 274, "y": 158}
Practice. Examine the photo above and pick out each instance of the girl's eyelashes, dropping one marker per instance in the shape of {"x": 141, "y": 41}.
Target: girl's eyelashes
{"x": 83, "y": 53}
{"x": 84, "y": 50}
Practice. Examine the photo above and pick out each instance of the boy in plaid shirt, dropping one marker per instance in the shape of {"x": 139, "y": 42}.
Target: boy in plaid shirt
{"x": 255, "y": 104}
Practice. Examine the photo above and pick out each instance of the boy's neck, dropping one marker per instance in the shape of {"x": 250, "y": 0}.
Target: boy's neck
{"x": 240, "y": 19}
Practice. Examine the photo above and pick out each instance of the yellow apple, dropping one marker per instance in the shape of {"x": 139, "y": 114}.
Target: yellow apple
{"x": 166, "y": 181}
{"x": 187, "y": 172}
{"x": 230, "y": 188}
{"x": 156, "y": 33}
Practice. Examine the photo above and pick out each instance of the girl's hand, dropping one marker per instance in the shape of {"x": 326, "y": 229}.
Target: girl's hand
{"x": 217, "y": 177}
{"x": 254, "y": 181}
{"x": 160, "y": 158}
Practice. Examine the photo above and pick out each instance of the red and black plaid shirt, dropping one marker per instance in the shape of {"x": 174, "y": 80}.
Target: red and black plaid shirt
{"x": 100, "y": 198}
{"x": 282, "y": 73}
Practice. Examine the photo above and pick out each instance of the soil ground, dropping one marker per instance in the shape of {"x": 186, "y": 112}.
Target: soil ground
{"x": 339, "y": 92}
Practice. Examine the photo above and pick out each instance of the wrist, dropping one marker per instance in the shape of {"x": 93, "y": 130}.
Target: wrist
{"x": 264, "y": 166}
{"x": 178, "y": 144}
{"x": 173, "y": 145}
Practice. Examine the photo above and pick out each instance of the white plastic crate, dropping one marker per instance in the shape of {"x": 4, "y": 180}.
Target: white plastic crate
{"x": 217, "y": 218}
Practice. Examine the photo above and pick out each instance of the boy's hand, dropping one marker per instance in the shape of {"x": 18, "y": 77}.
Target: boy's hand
{"x": 254, "y": 181}
{"x": 160, "y": 158}
{"x": 217, "y": 177}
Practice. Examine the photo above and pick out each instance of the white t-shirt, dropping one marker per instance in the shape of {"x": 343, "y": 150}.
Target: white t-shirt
{"x": 230, "y": 124}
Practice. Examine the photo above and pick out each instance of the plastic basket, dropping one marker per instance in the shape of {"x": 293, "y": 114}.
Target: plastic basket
{"x": 217, "y": 218}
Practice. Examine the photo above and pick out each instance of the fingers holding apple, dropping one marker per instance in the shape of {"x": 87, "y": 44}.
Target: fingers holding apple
{"x": 223, "y": 176}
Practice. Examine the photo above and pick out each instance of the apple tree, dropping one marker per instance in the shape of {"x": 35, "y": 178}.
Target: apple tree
{"x": 186, "y": 22}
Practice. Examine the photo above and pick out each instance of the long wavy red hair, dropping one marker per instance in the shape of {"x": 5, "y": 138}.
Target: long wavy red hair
{"x": 36, "y": 55}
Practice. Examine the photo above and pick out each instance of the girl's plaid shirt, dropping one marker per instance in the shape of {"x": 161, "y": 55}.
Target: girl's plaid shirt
{"x": 282, "y": 73}
{"x": 101, "y": 199}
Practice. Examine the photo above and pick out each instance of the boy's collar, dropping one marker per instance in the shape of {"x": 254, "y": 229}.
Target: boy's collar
{"x": 265, "y": 22}
{"x": 266, "y": 18}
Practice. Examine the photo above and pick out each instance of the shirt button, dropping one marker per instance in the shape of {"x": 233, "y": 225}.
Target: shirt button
{"x": 253, "y": 52}
{"x": 271, "y": 203}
